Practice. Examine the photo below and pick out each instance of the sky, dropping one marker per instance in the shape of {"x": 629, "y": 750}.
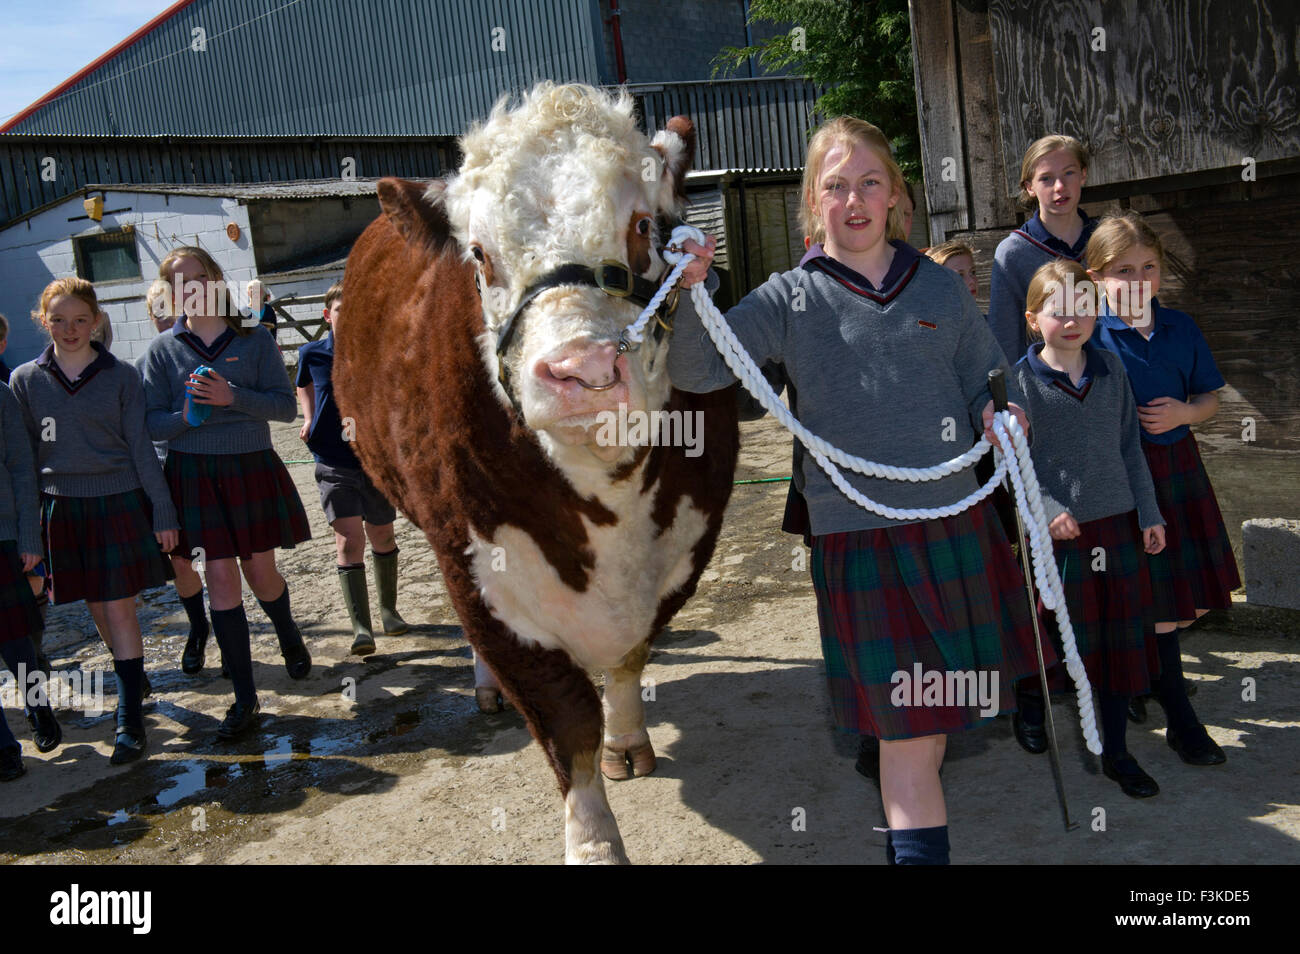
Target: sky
{"x": 37, "y": 53}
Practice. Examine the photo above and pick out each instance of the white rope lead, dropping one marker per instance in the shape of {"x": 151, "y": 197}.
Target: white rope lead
{"x": 1017, "y": 464}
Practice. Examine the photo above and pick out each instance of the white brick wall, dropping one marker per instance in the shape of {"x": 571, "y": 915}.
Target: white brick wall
{"x": 35, "y": 252}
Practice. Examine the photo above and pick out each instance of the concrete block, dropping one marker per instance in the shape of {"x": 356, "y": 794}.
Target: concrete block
{"x": 1271, "y": 548}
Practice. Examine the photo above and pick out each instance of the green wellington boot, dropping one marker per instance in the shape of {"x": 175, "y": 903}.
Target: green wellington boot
{"x": 355, "y": 597}
{"x": 386, "y": 580}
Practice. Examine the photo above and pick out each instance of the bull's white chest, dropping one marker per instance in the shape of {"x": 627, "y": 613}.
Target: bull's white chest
{"x": 634, "y": 569}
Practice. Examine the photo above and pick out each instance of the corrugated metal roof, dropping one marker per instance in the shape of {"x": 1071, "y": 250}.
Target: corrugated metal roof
{"x": 321, "y": 67}
{"x": 261, "y": 190}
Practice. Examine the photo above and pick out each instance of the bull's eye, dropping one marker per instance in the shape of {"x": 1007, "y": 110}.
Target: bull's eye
{"x": 643, "y": 226}
{"x": 477, "y": 251}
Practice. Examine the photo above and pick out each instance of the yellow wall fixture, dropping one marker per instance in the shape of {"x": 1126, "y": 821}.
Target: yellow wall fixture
{"x": 94, "y": 207}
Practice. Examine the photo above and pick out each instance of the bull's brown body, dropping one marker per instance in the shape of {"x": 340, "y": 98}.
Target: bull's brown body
{"x": 437, "y": 440}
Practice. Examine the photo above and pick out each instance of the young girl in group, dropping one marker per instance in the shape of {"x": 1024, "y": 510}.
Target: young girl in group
{"x": 106, "y": 515}
{"x": 189, "y": 586}
{"x": 1052, "y": 176}
{"x": 957, "y": 257}
{"x": 20, "y": 551}
{"x": 1174, "y": 380}
{"x": 1097, "y": 493}
{"x": 909, "y": 350}
{"x": 235, "y": 499}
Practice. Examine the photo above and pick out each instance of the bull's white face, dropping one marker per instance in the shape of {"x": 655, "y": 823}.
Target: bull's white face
{"x": 566, "y": 178}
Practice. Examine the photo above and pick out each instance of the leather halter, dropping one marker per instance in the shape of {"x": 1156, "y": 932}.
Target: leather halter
{"x": 610, "y": 276}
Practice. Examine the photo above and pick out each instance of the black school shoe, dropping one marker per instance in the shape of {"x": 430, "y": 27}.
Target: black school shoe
{"x": 1032, "y": 738}
{"x": 1137, "y": 709}
{"x": 46, "y": 732}
{"x": 11, "y": 764}
{"x": 240, "y": 718}
{"x": 868, "y": 764}
{"x": 1195, "y": 747}
{"x": 1132, "y": 780}
{"x": 192, "y": 658}
{"x": 129, "y": 746}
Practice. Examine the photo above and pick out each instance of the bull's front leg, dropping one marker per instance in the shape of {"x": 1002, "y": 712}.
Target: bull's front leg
{"x": 563, "y": 712}
{"x": 487, "y": 691}
{"x": 627, "y": 751}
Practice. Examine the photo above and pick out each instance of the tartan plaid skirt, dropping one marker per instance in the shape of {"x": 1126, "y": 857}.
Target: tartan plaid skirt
{"x": 945, "y": 594}
{"x": 19, "y": 615}
{"x": 235, "y": 505}
{"x": 1196, "y": 569}
{"x": 101, "y": 548}
{"x": 1110, "y": 606}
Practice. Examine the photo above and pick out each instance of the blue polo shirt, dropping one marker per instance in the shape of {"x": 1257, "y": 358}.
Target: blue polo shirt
{"x": 1094, "y": 367}
{"x": 325, "y": 441}
{"x": 1035, "y": 230}
{"x": 1174, "y": 362}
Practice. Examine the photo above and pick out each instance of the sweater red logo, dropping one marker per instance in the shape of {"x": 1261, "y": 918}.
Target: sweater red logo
{"x": 927, "y": 324}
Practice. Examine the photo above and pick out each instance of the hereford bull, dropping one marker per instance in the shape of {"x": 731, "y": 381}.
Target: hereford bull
{"x": 476, "y": 353}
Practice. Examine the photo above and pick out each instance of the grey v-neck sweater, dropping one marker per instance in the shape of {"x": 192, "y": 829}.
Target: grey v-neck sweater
{"x": 89, "y": 434}
{"x": 1087, "y": 450}
{"x": 897, "y": 375}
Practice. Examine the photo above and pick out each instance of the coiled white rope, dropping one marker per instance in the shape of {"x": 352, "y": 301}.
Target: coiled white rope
{"x": 1017, "y": 464}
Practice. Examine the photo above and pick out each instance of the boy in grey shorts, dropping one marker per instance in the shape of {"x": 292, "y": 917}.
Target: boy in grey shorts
{"x": 353, "y": 505}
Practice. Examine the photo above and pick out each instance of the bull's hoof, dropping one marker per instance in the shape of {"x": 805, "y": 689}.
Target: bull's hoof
{"x": 634, "y": 762}
{"x": 597, "y": 853}
{"x": 488, "y": 698}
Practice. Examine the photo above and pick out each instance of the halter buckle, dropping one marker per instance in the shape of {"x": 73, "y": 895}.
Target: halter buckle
{"x": 621, "y": 274}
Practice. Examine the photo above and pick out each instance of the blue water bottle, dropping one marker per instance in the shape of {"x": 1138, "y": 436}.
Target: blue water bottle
{"x": 196, "y": 414}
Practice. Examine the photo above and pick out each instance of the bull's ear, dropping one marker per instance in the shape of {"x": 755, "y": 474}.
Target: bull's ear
{"x": 416, "y": 211}
{"x": 676, "y": 143}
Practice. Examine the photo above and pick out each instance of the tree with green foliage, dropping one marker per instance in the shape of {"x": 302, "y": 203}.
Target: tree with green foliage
{"x": 860, "y": 49}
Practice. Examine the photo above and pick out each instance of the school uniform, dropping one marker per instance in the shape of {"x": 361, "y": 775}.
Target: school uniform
{"x": 1017, "y": 257}
{"x": 20, "y": 618}
{"x": 103, "y": 496}
{"x": 1089, "y": 462}
{"x": 233, "y": 495}
{"x": 345, "y": 488}
{"x": 1197, "y": 569}
{"x": 878, "y": 370}
{"x": 20, "y": 522}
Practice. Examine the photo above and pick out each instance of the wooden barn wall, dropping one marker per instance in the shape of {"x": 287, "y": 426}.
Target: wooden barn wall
{"x": 1233, "y": 256}
{"x": 1180, "y": 86}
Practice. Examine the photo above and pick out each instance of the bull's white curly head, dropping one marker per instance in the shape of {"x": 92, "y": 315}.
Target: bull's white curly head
{"x": 567, "y": 177}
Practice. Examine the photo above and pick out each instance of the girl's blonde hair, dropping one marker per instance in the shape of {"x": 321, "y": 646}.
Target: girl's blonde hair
{"x": 75, "y": 287}
{"x": 850, "y": 132}
{"x": 1115, "y": 235}
{"x": 1052, "y": 280}
{"x": 941, "y": 253}
{"x": 225, "y": 305}
{"x": 1040, "y": 148}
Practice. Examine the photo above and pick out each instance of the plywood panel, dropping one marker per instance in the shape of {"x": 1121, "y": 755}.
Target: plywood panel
{"x": 1180, "y": 87}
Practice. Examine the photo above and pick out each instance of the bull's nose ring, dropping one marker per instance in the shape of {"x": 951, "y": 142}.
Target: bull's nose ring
{"x": 601, "y": 387}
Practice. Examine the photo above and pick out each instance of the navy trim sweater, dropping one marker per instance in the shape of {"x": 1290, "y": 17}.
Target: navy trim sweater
{"x": 1087, "y": 452}
{"x": 258, "y": 380}
{"x": 20, "y": 517}
{"x": 896, "y": 375}
{"x": 89, "y": 434}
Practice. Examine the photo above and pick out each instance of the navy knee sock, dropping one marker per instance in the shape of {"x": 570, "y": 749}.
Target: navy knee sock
{"x": 130, "y": 682}
{"x": 20, "y": 656}
{"x": 1170, "y": 688}
{"x": 194, "y": 610}
{"x": 919, "y": 846}
{"x": 231, "y": 629}
{"x": 285, "y": 628}
{"x": 1114, "y": 724}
